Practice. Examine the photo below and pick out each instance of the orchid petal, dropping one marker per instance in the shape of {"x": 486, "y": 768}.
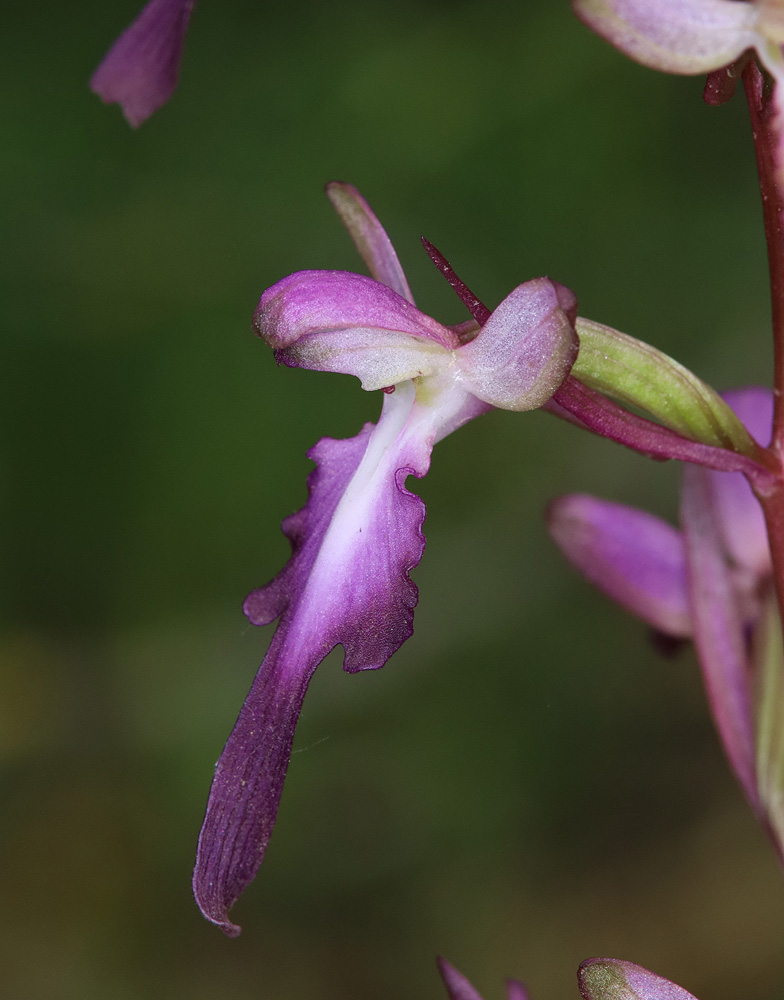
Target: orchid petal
{"x": 740, "y": 515}
{"x": 525, "y": 350}
{"x": 768, "y": 671}
{"x": 457, "y": 986}
{"x": 141, "y": 69}
{"x": 636, "y": 559}
{"x": 515, "y": 990}
{"x": 369, "y": 236}
{"x": 675, "y": 36}
{"x": 347, "y": 582}
{"x": 342, "y": 322}
{"x": 611, "y": 979}
{"x": 718, "y": 626}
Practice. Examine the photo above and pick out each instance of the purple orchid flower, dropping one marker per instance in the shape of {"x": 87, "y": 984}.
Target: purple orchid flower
{"x": 712, "y": 582}
{"x": 141, "y": 69}
{"x": 597, "y": 978}
{"x": 360, "y": 533}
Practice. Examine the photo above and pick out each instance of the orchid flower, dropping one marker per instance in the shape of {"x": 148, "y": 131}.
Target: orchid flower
{"x": 360, "y": 533}
{"x": 141, "y": 69}
{"x": 711, "y": 582}
{"x": 597, "y": 978}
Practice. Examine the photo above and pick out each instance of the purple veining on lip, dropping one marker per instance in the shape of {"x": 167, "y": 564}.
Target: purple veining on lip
{"x": 635, "y": 558}
{"x": 360, "y": 534}
{"x": 347, "y": 582}
{"x": 141, "y": 69}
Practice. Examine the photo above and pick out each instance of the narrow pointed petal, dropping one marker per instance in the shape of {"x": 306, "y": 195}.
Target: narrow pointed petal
{"x": 718, "y": 627}
{"x": 739, "y": 512}
{"x": 457, "y": 986}
{"x": 675, "y": 36}
{"x": 515, "y": 990}
{"x": 768, "y": 653}
{"x": 342, "y": 322}
{"x": 141, "y": 69}
{"x": 525, "y": 350}
{"x": 369, "y": 236}
{"x": 636, "y": 559}
{"x": 347, "y": 582}
{"x": 611, "y": 979}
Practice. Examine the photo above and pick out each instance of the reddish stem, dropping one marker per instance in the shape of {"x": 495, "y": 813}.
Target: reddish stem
{"x": 763, "y": 127}
{"x": 762, "y": 111}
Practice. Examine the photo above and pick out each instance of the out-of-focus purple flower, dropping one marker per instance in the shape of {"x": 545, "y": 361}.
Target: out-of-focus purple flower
{"x": 611, "y": 979}
{"x": 597, "y": 978}
{"x": 360, "y": 534}
{"x": 459, "y": 988}
{"x": 141, "y": 69}
{"x": 689, "y": 36}
{"x": 711, "y": 582}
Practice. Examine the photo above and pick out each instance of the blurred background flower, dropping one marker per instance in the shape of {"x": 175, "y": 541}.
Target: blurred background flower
{"x": 528, "y": 782}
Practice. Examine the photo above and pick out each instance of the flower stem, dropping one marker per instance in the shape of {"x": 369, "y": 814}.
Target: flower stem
{"x": 762, "y": 111}
{"x": 764, "y": 128}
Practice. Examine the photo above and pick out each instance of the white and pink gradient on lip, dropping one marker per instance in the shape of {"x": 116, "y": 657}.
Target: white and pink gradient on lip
{"x": 141, "y": 69}
{"x": 359, "y": 536}
{"x": 706, "y": 581}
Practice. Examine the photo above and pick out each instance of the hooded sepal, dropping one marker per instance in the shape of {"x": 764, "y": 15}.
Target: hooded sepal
{"x": 526, "y": 348}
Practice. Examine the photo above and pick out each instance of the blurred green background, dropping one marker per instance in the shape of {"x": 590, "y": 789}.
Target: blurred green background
{"x": 527, "y": 783}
